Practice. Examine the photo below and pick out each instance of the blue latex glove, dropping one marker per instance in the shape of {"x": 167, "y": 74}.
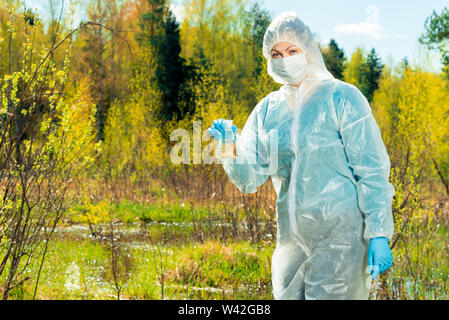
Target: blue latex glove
{"x": 379, "y": 256}
{"x": 223, "y": 130}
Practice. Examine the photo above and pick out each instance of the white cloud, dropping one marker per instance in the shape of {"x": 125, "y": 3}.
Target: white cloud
{"x": 370, "y": 27}
{"x": 362, "y": 28}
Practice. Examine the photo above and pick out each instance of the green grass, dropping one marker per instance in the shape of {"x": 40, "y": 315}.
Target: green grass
{"x": 129, "y": 212}
{"x": 421, "y": 267}
{"x": 211, "y": 270}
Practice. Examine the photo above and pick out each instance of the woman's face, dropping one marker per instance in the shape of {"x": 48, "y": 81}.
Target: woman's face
{"x": 284, "y": 49}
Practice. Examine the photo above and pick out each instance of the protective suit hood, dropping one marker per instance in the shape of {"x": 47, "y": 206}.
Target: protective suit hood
{"x": 288, "y": 27}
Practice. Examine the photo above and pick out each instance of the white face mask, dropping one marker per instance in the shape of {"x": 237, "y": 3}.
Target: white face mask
{"x": 290, "y": 70}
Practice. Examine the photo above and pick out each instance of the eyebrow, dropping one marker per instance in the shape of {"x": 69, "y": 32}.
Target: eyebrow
{"x": 286, "y": 49}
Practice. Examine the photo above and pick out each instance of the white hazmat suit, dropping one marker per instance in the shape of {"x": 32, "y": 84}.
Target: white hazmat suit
{"x": 323, "y": 150}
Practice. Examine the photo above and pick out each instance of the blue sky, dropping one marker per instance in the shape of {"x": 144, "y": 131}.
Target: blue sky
{"x": 392, "y": 27}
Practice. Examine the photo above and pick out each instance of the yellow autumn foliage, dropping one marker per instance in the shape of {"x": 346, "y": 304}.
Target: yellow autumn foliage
{"x": 412, "y": 111}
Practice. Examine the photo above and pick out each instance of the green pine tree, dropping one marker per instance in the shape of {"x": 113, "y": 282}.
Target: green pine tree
{"x": 371, "y": 74}
{"x": 334, "y": 58}
{"x": 160, "y": 31}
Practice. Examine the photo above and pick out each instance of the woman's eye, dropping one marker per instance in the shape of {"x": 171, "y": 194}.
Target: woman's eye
{"x": 293, "y": 51}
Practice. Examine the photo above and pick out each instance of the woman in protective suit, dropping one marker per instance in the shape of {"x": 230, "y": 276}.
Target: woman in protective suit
{"x": 317, "y": 139}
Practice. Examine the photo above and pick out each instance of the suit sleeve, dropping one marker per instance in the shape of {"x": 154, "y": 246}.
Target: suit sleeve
{"x": 251, "y": 168}
{"x": 368, "y": 158}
